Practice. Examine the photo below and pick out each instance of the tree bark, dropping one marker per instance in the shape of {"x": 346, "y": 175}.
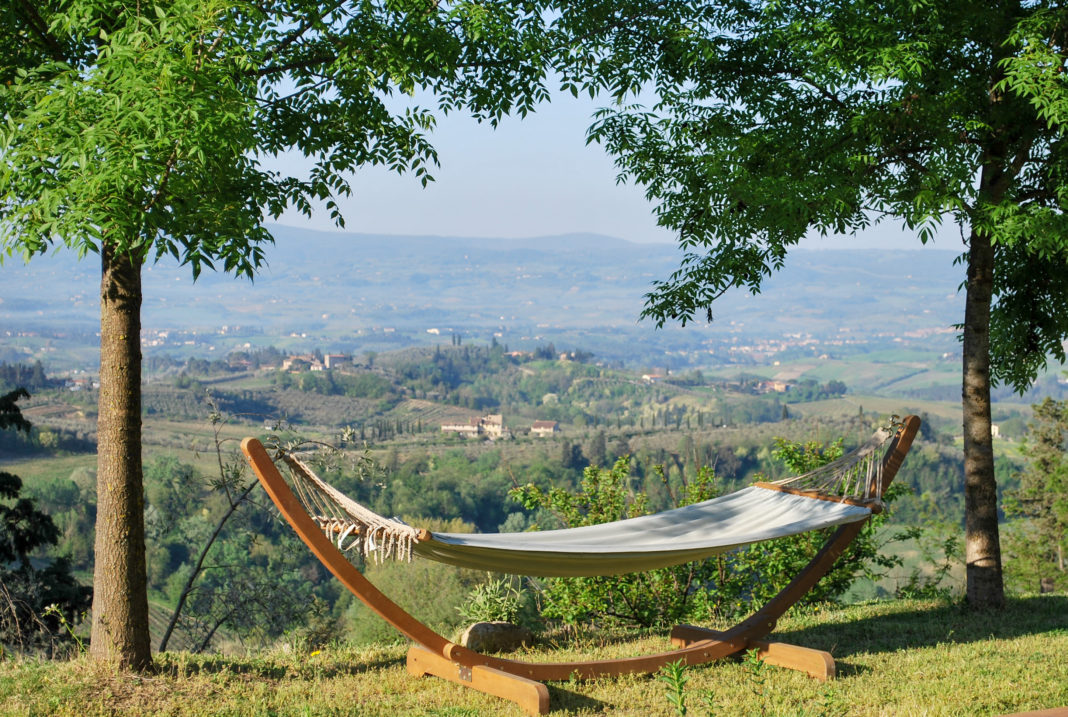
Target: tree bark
{"x": 985, "y": 588}
{"x": 120, "y": 633}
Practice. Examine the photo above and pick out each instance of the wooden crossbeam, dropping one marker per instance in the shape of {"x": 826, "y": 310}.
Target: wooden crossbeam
{"x": 817, "y": 663}
{"x": 531, "y": 696}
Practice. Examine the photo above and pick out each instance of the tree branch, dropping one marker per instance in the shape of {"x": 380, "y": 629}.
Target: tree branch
{"x": 211, "y": 633}
{"x": 281, "y": 99}
{"x": 1037, "y": 196}
{"x": 826, "y": 93}
{"x": 168, "y": 168}
{"x": 197, "y": 568}
{"x": 294, "y": 65}
{"x": 298, "y": 32}
{"x": 39, "y": 28}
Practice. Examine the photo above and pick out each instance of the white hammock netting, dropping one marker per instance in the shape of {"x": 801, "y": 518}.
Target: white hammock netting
{"x": 694, "y": 532}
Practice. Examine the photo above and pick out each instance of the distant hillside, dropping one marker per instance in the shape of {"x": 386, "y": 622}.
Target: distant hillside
{"x": 357, "y": 292}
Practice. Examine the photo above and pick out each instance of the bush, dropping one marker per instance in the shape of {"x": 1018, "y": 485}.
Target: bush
{"x": 723, "y": 587}
{"x": 752, "y": 576}
{"x": 508, "y": 598}
{"x": 655, "y": 597}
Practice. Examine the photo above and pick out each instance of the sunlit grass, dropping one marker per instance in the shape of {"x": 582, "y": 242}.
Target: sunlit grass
{"x": 894, "y": 658}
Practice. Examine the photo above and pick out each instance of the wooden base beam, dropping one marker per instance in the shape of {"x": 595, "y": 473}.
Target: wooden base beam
{"x": 532, "y": 697}
{"x": 817, "y": 663}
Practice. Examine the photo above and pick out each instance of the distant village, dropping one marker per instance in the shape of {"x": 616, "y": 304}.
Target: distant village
{"x": 310, "y": 362}
{"x": 736, "y": 345}
{"x": 492, "y": 427}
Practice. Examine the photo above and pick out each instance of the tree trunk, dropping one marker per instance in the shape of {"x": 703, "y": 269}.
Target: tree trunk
{"x": 120, "y": 597}
{"x": 982, "y": 543}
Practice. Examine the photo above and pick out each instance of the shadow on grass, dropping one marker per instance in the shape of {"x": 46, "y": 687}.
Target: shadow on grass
{"x": 850, "y": 669}
{"x": 590, "y": 640}
{"x": 564, "y": 699}
{"x": 328, "y": 667}
{"x": 893, "y": 626}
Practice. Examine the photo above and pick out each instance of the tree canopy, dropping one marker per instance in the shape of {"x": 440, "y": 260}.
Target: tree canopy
{"x": 145, "y": 127}
{"x": 137, "y": 131}
{"x": 775, "y": 120}
{"x": 771, "y": 121}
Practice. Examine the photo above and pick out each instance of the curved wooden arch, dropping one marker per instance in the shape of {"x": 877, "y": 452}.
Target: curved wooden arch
{"x": 519, "y": 681}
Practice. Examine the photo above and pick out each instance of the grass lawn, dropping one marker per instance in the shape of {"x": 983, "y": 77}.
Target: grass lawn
{"x": 894, "y": 658}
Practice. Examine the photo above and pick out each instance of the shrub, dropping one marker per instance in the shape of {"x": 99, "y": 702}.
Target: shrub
{"x": 654, "y": 597}
{"x": 722, "y": 587}
{"x": 498, "y": 599}
{"x": 750, "y": 577}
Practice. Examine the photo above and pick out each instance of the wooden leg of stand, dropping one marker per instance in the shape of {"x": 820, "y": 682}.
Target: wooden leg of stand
{"x": 817, "y": 663}
{"x": 532, "y": 697}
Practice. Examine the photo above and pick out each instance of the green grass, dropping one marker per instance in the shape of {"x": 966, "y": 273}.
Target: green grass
{"x": 894, "y": 658}
{"x": 36, "y": 470}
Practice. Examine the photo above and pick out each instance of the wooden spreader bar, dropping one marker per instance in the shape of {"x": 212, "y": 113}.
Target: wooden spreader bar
{"x": 520, "y": 681}
{"x": 875, "y": 506}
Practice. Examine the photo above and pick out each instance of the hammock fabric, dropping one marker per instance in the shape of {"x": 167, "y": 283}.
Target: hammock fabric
{"x": 761, "y": 512}
{"x": 651, "y": 541}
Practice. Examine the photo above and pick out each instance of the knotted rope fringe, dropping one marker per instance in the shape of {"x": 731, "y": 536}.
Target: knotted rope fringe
{"x": 857, "y": 474}
{"x": 343, "y": 519}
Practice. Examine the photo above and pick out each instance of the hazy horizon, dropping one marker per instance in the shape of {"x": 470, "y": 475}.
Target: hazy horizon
{"x": 529, "y": 177}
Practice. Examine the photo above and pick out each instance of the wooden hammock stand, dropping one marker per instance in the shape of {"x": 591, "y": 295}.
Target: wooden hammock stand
{"x": 521, "y": 682}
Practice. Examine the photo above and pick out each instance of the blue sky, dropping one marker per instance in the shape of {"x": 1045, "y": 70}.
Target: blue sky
{"x": 530, "y": 177}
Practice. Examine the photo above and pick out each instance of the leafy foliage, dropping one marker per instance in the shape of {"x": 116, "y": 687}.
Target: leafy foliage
{"x": 674, "y": 677}
{"x": 655, "y": 597}
{"x": 34, "y": 601}
{"x": 726, "y": 586}
{"x": 215, "y": 558}
{"x": 773, "y": 121}
{"x": 138, "y": 131}
{"x": 801, "y": 458}
{"x": 776, "y": 120}
{"x": 504, "y": 598}
{"x": 810, "y": 390}
{"x": 255, "y": 600}
{"x": 1041, "y": 501}
{"x": 755, "y": 574}
{"x": 145, "y": 127}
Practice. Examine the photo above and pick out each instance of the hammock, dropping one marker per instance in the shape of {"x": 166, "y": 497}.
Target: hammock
{"x": 844, "y": 491}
